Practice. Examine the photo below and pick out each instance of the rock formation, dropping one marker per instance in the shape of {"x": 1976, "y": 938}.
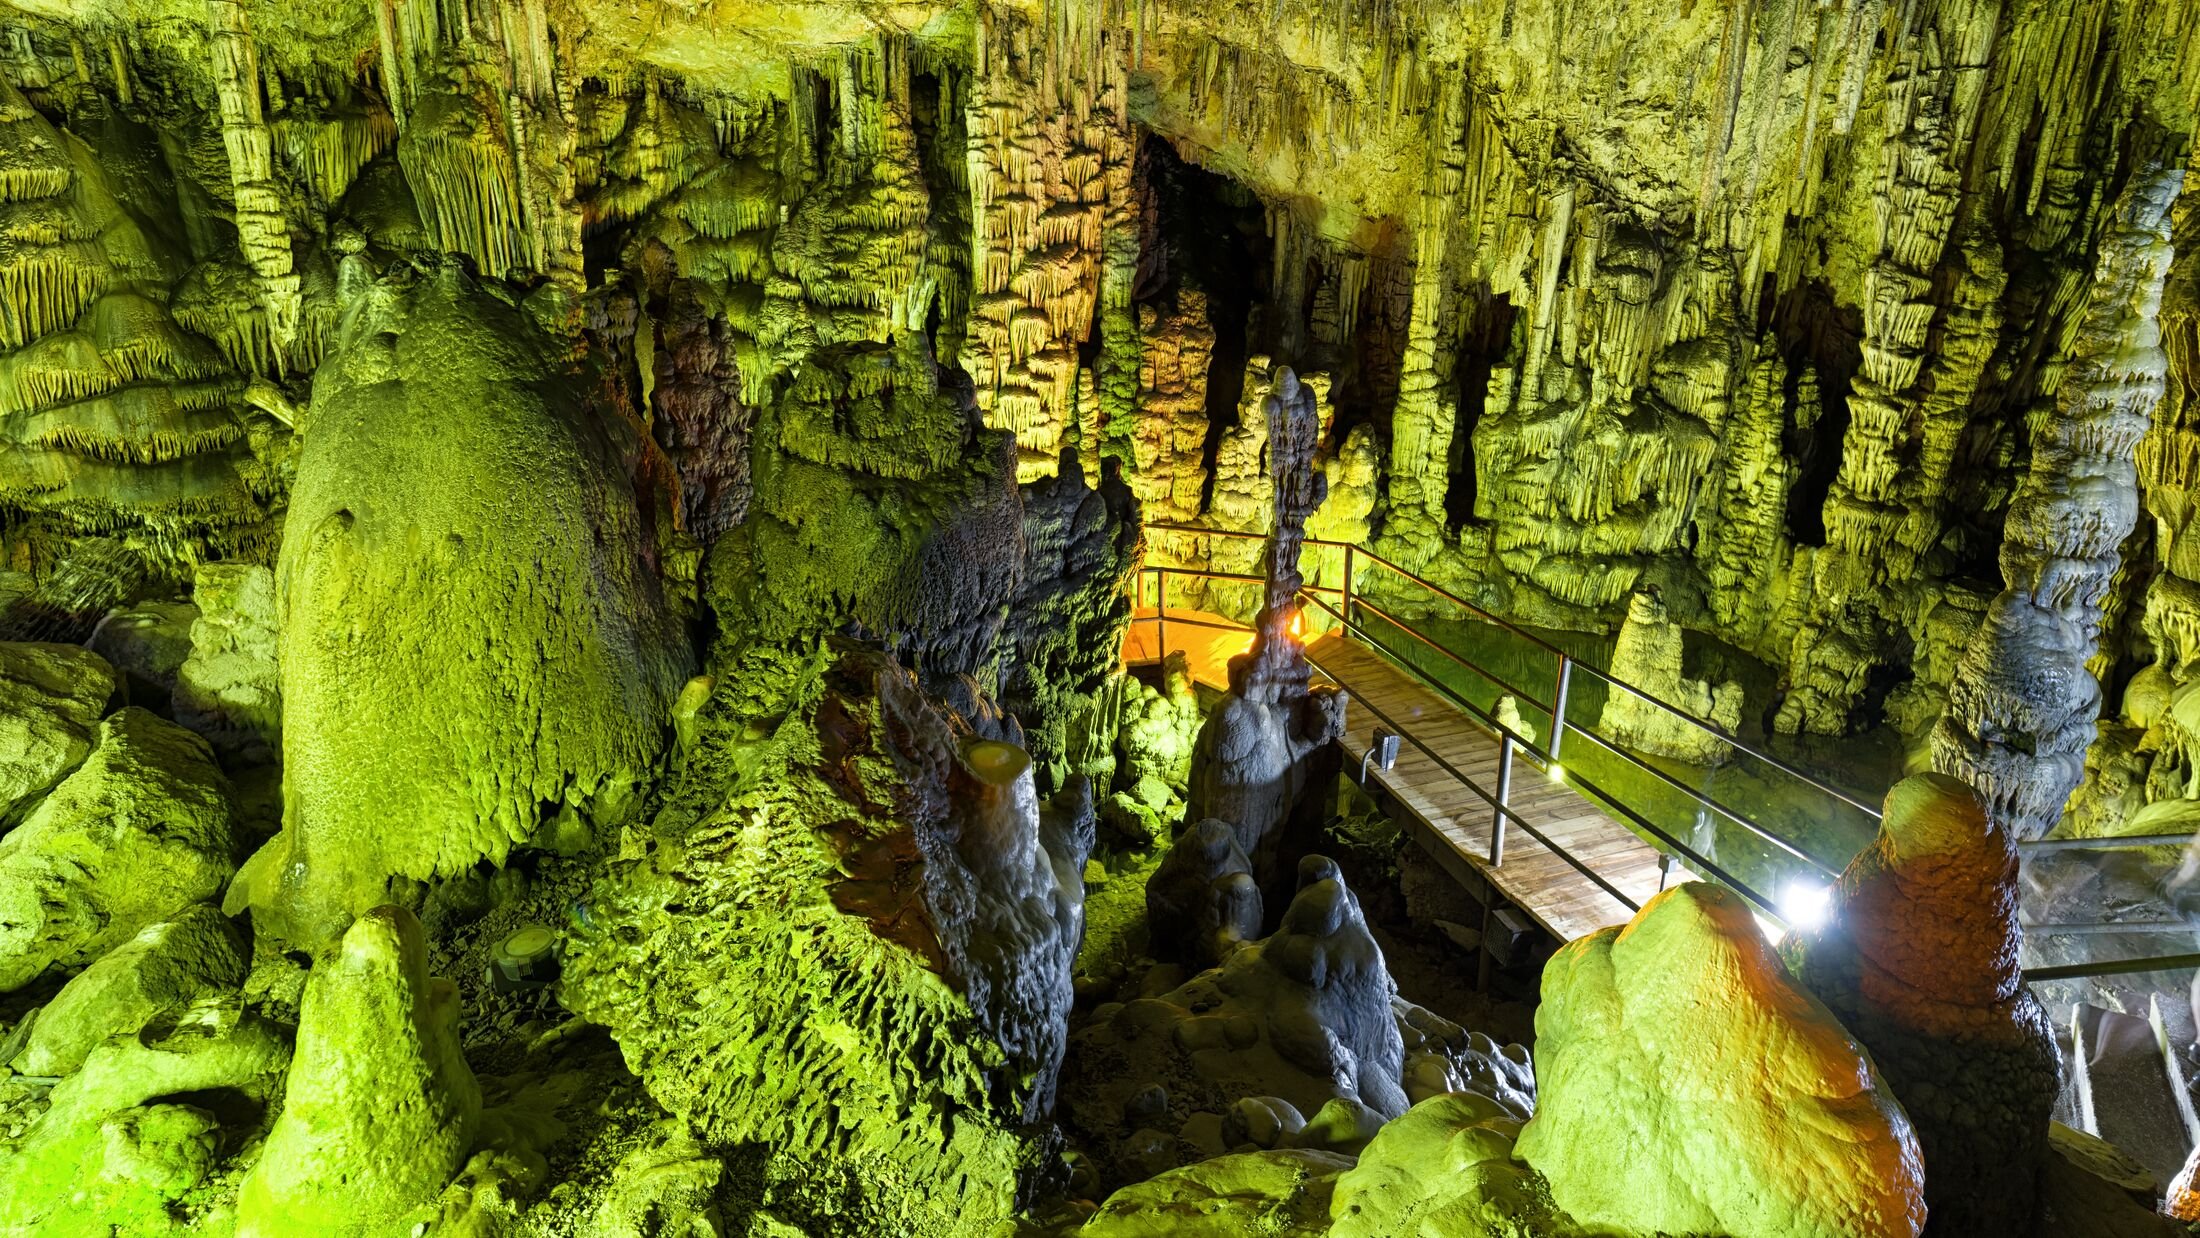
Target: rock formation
{"x": 1648, "y": 655}
{"x": 54, "y": 696}
{"x": 1443, "y": 1167}
{"x": 861, "y": 958}
{"x": 2022, "y": 707}
{"x": 1919, "y": 962}
{"x": 1202, "y": 902}
{"x": 229, "y": 687}
{"x": 176, "y": 961}
{"x": 659, "y": 482}
{"x": 1269, "y": 741}
{"x": 1285, "y": 1038}
{"x": 379, "y": 1108}
{"x": 144, "y": 828}
{"x": 124, "y": 1138}
{"x": 1741, "y": 1103}
{"x": 524, "y": 524}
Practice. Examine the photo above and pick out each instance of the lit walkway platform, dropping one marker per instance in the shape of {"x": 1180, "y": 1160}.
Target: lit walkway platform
{"x": 1207, "y": 641}
{"x": 1455, "y": 824}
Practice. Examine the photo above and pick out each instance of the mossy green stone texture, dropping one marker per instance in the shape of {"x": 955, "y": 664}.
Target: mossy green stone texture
{"x": 472, "y": 631}
{"x": 142, "y": 829}
{"x": 194, "y": 952}
{"x": 121, "y": 1140}
{"x": 380, "y": 1107}
{"x": 1686, "y": 1085}
{"x": 1281, "y": 1194}
{"x": 1444, "y": 1169}
{"x": 51, "y": 700}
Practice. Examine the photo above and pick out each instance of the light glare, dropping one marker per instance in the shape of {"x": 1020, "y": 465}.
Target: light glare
{"x": 1806, "y": 905}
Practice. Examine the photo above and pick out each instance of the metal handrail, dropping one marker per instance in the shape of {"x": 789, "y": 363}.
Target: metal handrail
{"x": 2111, "y": 928}
{"x": 1495, "y": 679}
{"x": 1700, "y": 862}
{"x": 1509, "y": 742}
{"x": 1566, "y": 661}
{"x": 2112, "y": 967}
{"x": 2108, "y": 842}
{"x": 1548, "y": 758}
{"x": 1503, "y": 809}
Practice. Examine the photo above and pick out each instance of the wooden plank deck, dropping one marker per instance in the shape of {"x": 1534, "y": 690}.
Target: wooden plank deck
{"x": 1552, "y": 892}
{"x": 1207, "y": 650}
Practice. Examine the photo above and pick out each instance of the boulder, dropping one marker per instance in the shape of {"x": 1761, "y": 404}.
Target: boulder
{"x": 119, "y": 1143}
{"x": 229, "y": 687}
{"x": 2089, "y": 1189}
{"x": 147, "y": 643}
{"x": 1446, "y": 1168}
{"x": 380, "y": 1107}
{"x": 1284, "y": 1194}
{"x": 51, "y": 699}
{"x": 173, "y": 961}
{"x": 1686, "y": 1085}
{"x": 143, "y": 828}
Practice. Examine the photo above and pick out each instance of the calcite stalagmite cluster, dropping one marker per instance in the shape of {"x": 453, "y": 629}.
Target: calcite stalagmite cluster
{"x": 401, "y": 400}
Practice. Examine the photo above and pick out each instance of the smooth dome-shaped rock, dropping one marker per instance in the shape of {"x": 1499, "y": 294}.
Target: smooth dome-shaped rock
{"x": 1686, "y": 1084}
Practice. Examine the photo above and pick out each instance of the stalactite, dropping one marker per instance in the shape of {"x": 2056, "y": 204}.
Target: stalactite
{"x": 2022, "y": 708}
{"x": 1423, "y": 420}
{"x": 262, "y": 229}
{"x": 1045, "y": 182}
{"x": 1744, "y": 545}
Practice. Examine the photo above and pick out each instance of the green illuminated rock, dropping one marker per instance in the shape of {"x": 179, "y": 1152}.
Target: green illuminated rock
{"x": 170, "y": 962}
{"x": 143, "y": 828}
{"x": 229, "y": 687}
{"x": 1685, "y": 1085}
{"x": 380, "y": 1107}
{"x": 858, "y": 961}
{"x": 123, "y": 1138}
{"x": 1444, "y": 1169}
{"x": 51, "y": 698}
{"x": 471, "y": 631}
{"x": 1283, "y": 1194}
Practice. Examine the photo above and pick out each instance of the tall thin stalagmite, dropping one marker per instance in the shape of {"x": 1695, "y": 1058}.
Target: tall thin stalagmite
{"x": 2022, "y": 707}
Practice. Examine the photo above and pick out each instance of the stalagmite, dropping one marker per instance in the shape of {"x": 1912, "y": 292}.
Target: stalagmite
{"x": 2022, "y": 708}
{"x": 1269, "y": 741}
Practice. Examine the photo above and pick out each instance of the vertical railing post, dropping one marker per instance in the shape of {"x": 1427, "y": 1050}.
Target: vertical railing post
{"x": 1161, "y": 613}
{"x": 1504, "y": 799}
{"x": 1558, "y": 705}
{"x": 1344, "y": 604}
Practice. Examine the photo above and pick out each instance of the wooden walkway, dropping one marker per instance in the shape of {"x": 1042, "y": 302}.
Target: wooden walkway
{"x": 1207, "y": 650}
{"x": 1454, "y": 823}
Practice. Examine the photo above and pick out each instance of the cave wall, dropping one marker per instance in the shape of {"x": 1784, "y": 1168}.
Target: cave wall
{"x": 1754, "y": 305}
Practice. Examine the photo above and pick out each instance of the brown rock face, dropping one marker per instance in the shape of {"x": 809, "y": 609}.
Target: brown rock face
{"x": 1931, "y": 909}
{"x": 1920, "y": 964}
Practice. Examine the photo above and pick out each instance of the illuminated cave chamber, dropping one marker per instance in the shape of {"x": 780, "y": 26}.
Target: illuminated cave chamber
{"x": 726, "y": 618}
